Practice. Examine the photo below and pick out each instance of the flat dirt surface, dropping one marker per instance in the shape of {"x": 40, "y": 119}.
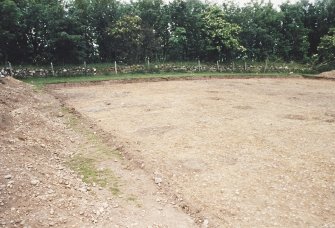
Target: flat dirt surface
{"x": 234, "y": 153}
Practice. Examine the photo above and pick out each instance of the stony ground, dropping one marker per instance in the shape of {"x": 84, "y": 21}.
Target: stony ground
{"x": 239, "y": 153}
{"x": 58, "y": 170}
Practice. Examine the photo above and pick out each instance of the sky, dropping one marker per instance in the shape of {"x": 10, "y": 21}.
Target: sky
{"x": 276, "y": 3}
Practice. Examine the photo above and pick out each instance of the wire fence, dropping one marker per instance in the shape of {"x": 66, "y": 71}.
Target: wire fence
{"x": 114, "y": 68}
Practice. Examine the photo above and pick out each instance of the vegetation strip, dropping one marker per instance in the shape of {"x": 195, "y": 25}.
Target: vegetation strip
{"x": 40, "y": 82}
{"x": 86, "y": 163}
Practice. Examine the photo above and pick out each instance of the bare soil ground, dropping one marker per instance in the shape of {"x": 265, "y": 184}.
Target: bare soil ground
{"x": 328, "y": 74}
{"x": 235, "y": 153}
{"x": 57, "y": 170}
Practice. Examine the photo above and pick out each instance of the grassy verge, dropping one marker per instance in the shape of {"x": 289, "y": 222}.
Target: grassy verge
{"x": 90, "y": 155}
{"x": 40, "y": 82}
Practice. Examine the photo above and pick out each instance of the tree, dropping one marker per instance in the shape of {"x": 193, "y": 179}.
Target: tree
{"x": 186, "y": 27}
{"x": 222, "y": 34}
{"x": 320, "y": 18}
{"x": 196, "y": 38}
{"x": 178, "y": 42}
{"x": 127, "y": 34}
{"x": 260, "y": 28}
{"x": 80, "y": 15}
{"x": 9, "y": 28}
{"x": 326, "y": 48}
{"x": 71, "y": 31}
{"x": 149, "y": 11}
{"x": 104, "y": 14}
{"x": 294, "y": 41}
{"x": 162, "y": 31}
{"x": 178, "y": 30}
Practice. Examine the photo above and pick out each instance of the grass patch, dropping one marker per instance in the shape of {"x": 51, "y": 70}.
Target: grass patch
{"x": 86, "y": 163}
{"x": 38, "y": 89}
{"x": 86, "y": 168}
{"x": 72, "y": 121}
{"x": 115, "y": 190}
{"x": 131, "y": 198}
{"x": 134, "y": 200}
{"x": 40, "y": 82}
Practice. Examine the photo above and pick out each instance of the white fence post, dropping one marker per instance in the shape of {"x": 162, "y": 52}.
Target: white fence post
{"x": 85, "y": 68}
{"x": 266, "y": 64}
{"x": 10, "y": 69}
{"x": 52, "y": 69}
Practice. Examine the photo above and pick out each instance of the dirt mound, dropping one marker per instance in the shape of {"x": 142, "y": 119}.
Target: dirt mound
{"x": 38, "y": 186}
{"x": 12, "y": 95}
{"x": 35, "y": 188}
{"x": 328, "y": 74}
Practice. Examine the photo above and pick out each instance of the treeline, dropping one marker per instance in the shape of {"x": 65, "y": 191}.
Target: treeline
{"x": 41, "y": 31}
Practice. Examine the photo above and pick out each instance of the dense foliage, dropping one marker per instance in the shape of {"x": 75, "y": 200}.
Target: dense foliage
{"x": 40, "y": 31}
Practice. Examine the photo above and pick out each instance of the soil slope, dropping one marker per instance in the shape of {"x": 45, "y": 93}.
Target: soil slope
{"x": 44, "y": 159}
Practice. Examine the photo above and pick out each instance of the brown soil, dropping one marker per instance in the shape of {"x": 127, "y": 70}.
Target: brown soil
{"x": 239, "y": 153}
{"x": 45, "y": 154}
{"x": 328, "y": 74}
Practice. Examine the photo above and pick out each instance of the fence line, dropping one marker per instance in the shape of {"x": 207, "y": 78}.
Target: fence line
{"x": 232, "y": 67}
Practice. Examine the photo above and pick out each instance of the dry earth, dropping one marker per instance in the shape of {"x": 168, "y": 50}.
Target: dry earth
{"x": 240, "y": 153}
{"x": 328, "y": 74}
{"x": 46, "y": 154}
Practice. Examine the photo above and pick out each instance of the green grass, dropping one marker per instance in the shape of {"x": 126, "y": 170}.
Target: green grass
{"x": 310, "y": 75}
{"x": 90, "y": 174}
{"x": 40, "y": 82}
{"x": 86, "y": 168}
{"x": 115, "y": 190}
{"x": 86, "y": 163}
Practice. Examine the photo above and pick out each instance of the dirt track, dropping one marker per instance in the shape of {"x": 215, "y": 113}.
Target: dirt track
{"x": 241, "y": 153}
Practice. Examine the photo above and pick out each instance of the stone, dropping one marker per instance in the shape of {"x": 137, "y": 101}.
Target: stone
{"x": 83, "y": 189}
{"x": 34, "y": 182}
{"x": 205, "y": 223}
{"x": 60, "y": 114}
{"x": 158, "y": 180}
{"x": 8, "y": 177}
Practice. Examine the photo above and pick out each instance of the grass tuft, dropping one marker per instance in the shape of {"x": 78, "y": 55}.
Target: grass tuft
{"x": 86, "y": 168}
